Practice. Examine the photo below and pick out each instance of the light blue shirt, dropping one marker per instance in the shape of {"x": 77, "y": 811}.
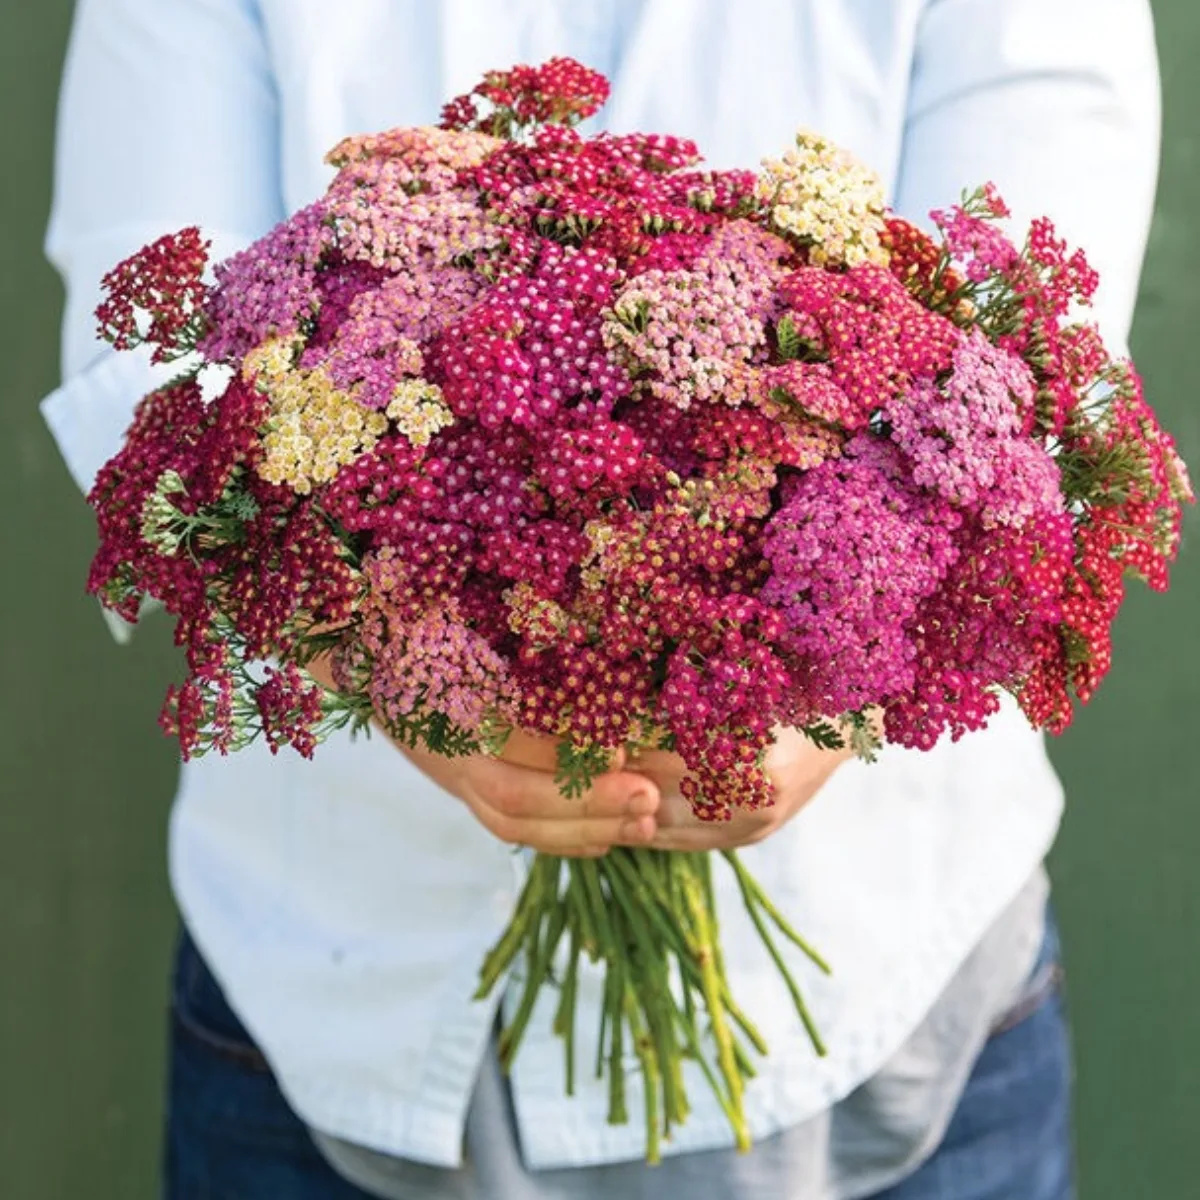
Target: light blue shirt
{"x": 345, "y": 904}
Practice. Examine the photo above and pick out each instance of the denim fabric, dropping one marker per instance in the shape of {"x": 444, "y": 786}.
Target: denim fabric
{"x": 1011, "y": 1136}
{"x": 232, "y": 1136}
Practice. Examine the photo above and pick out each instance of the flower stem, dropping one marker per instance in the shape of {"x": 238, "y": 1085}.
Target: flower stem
{"x": 751, "y": 887}
{"x": 716, "y": 1013}
{"x": 752, "y": 907}
{"x": 649, "y": 919}
{"x": 540, "y": 956}
{"x": 644, "y": 1046}
{"x": 529, "y": 911}
{"x": 564, "y": 1018}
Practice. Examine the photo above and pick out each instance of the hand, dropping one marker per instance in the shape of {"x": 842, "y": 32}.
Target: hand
{"x": 516, "y": 799}
{"x": 798, "y": 769}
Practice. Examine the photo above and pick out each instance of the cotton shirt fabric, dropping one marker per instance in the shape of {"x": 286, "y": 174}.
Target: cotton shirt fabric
{"x": 345, "y": 903}
{"x": 870, "y": 1140}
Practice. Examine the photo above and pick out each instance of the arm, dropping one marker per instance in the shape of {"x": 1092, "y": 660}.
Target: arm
{"x": 169, "y": 117}
{"x": 1057, "y": 102}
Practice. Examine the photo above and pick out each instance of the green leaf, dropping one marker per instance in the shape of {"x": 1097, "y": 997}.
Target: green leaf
{"x": 823, "y": 735}
{"x": 426, "y": 729}
{"x": 443, "y": 737}
{"x": 864, "y": 739}
{"x": 792, "y": 346}
{"x": 634, "y": 317}
{"x": 578, "y": 767}
{"x": 242, "y": 506}
{"x": 787, "y": 339}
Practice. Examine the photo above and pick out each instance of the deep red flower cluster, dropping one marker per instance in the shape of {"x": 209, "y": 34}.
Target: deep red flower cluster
{"x": 154, "y": 296}
{"x": 560, "y": 91}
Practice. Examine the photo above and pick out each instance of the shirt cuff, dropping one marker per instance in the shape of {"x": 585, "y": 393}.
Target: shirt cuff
{"x": 91, "y": 412}
{"x": 89, "y": 416}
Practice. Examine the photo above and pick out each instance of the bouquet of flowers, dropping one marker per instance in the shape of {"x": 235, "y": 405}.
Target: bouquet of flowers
{"x": 525, "y": 430}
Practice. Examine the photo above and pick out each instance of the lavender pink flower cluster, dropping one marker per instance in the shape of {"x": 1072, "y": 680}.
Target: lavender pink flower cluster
{"x": 533, "y": 430}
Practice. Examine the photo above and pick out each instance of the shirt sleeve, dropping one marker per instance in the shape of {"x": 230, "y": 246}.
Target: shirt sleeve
{"x": 168, "y": 117}
{"x": 1058, "y": 103}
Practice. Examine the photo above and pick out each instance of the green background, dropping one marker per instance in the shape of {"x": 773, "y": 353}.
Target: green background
{"x": 86, "y": 919}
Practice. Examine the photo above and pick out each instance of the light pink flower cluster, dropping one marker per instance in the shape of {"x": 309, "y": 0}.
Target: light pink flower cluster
{"x": 964, "y": 437}
{"x": 267, "y": 290}
{"x": 436, "y": 664}
{"x": 688, "y": 333}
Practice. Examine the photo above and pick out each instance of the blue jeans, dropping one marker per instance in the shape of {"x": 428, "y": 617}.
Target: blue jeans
{"x": 232, "y": 1136}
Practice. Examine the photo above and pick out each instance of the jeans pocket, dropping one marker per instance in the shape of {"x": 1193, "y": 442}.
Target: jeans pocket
{"x": 1043, "y": 986}
{"x": 1045, "y": 982}
{"x": 230, "y": 1132}
{"x": 201, "y": 1012}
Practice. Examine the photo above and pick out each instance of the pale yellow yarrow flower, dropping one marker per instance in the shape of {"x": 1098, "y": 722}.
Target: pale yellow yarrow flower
{"x": 419, "y": 410}
{"x": 822, "y": 196}
{"x": 596, "y": 565}
{"x": 533, "y": 615}
{"x": 314, "y": 428}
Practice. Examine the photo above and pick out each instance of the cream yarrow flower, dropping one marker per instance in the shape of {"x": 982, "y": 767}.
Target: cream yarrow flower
{"x": 160, "y": 514}
{"x": 419, "y": 411}
{"x": 603, "y": 543}
{"x": 543, "y": 621}
{"x": 315, "y": 428}
{"x": 822, "y": 196}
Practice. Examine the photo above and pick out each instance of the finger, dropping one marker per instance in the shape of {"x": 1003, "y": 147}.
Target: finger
{"x": 664, "y": 770}
{"x": 580, "y": 836}
{"x": 522, "y": 793}
{"x": 680, "y": 829}
{"x": 585, "y": 852}
{"x": 708, "y": 837}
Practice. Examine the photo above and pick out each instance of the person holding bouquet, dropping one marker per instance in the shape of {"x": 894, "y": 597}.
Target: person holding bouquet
{"x": 325, "y": 1043}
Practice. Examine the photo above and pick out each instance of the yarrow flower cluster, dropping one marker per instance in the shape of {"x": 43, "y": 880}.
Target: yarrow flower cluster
{"x": 829, "y": 202}
{"x": 656, "y": 456}
{"x": 963, "y": 436}
{"x": 156, "y": 295}
{"x": 314, "y": 428}
{"x": 851, "y": 615}
{"x": 559, "y": 92}
{"x": 267, "y": 290}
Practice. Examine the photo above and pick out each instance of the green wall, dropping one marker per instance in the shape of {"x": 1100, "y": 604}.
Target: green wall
{"x": 85, "y": 915}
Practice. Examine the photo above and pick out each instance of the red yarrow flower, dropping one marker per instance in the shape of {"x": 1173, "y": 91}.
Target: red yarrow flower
{"x": 155, "y": 296}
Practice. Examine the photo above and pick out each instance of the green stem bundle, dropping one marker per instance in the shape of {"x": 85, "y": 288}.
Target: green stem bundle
{"x": 649, "y": 917}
